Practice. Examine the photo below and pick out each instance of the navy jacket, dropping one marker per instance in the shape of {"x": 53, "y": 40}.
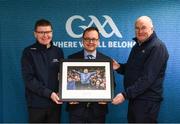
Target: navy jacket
{"x": 40, "y": 67}
{"x": 98, "y": 109}
{"x": 145, "y": 70}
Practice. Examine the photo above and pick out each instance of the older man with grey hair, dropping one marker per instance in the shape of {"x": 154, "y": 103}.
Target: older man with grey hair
{"x": 143, "y": 73}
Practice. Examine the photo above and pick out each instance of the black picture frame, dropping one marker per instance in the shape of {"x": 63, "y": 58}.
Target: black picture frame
{"x": 86, "y": 80}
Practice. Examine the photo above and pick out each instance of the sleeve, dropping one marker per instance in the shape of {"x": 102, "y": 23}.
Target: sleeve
{"x": 30, "y": 78}
{"x": 76, "y": 72}
{"x": 152, "y": 67}
{"x": 92, "y": 73}
{"x": 121, "y": 69}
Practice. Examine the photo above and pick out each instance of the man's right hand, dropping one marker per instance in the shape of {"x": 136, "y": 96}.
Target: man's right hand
{"x": 118, "y": 99}
{"x": 116, "y": 65}
{"x": 55, "y": 98}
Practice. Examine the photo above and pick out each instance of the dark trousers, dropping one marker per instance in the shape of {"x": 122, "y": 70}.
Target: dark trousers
{"x": 143, "y": 111}
{"x": 85, "y": 115}
{"x": 44, "y": 115}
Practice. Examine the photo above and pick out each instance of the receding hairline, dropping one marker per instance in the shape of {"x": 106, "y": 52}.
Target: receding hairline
{"x": 145, "y": 18}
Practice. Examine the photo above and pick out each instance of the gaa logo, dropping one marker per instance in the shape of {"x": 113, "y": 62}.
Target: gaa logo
{"x": 94, "y": 21}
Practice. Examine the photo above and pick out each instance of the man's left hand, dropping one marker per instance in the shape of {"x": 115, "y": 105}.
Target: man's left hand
{"x": 118, "y": 99}
{"x": 103, "y": 103}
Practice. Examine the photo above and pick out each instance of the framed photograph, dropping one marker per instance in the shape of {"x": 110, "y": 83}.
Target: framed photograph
{"x": 86, "y": 80}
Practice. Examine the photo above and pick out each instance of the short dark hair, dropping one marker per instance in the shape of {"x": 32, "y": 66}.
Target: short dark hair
{"x": 91, "y": 29}
{"x": 42, "y": 22}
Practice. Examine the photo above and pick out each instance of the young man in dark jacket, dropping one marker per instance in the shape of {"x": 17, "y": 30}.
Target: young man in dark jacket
{"x": 143, "y": 74}
{"x": 40, "y": 67}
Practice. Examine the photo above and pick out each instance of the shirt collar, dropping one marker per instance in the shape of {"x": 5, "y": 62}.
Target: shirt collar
{"x": 42, "y": 47}
{"x": 88, "y": 53}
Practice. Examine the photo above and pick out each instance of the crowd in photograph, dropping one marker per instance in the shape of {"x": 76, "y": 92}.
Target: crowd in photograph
{"x": 84, "y": 78}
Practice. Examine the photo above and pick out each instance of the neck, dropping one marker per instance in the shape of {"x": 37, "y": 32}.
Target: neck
{"x": 48, "y": 45}
{"x": 90, "y": 52}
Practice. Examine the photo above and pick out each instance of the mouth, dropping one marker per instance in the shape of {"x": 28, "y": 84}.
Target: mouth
{"x": 92, "y": 45}
{"x": 140, "y": 35}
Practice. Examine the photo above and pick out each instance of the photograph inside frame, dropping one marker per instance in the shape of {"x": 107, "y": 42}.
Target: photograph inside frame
{"x": 86, "y": 78}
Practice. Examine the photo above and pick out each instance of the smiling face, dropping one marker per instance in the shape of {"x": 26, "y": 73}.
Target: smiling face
{"x": 91, "y": 40}
{"x": 143, "y": 28}
{"x": 43, "y": 34}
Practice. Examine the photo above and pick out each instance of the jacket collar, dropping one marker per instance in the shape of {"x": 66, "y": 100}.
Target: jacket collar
{"x": 150, "y": 39}
{"x": 42, "y": 47}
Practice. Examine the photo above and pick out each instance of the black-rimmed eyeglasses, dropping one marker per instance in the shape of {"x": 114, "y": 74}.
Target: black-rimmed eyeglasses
{"x": 90, "y": 40}
{"x": 44, "y": 32}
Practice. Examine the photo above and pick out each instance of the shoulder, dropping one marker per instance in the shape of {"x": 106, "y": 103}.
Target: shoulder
{"x": 30, "y": 48}
{"x": 79, "y": 54}
{"x": 57, "y": 48}
{"x": 159, "y": 44}
{"x": 154, "y": 43}
{"x": 102, "y": 56}
{"x": 159, "y": 47}
{"x": 28, "y": 51}
{"x": 57, "y": 51}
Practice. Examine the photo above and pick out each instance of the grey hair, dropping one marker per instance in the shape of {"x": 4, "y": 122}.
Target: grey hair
{"x": 147, "y": 18}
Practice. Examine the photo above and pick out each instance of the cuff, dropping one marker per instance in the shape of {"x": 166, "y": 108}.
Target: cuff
{"x": 124, "y": 94}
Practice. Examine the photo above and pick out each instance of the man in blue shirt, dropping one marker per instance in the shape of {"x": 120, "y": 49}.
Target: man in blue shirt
{"x": 85, "y": 76}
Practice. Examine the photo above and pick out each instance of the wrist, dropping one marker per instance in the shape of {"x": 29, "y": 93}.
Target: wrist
{"x": 124, "y": 95}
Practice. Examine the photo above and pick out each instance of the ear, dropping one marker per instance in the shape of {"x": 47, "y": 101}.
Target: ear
{"x": 152, "y": 28}
{"x": 82, "y": 42}
{"x": 35, "y": 35}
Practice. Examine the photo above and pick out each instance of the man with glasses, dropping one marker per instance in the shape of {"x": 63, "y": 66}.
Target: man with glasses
{"x": 40, "y": 67}
{"x": 88, "y": 112}
{"x": 144, "y": 74}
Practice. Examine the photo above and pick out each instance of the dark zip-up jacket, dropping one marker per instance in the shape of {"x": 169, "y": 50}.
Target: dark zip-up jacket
{"x": 145, "y": 70}
{"x": 40, "y": 67}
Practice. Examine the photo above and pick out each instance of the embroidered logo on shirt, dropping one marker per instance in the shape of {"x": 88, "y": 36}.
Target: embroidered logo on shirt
{"x": 33, "y": 48}
{"x": 55, "y": 60}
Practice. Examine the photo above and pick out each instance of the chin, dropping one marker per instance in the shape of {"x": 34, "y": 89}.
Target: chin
{"x": 141, "y": 39}
{"x": 90, "y": 50}
{"x": 46, "y": 43}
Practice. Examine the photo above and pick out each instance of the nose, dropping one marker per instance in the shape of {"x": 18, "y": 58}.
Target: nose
{"x": 139, "y": 31}
{"x": 45, "y": 33}
{"x": 91, "y": 41}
